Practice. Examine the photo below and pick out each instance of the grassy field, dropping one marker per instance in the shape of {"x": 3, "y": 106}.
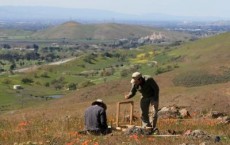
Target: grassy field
{"x": 42, "y": 129}
{"x": 56, "y": 121}
{"x": 83, "y": 71}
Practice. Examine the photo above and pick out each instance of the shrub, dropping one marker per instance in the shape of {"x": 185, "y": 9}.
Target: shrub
{"x": 72, "y": 86}
{"x": 164, "y": 69}
{"x": 27, "y": 80}
{"x": 6, "y": 81}
{"x": 45, "y": 75}
{"x": 86, "y": 84}
{"x": 199, "y": 78}
{"x": 47, "y": 84}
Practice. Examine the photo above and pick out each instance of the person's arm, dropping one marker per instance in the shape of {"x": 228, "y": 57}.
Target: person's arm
{"x": 103, "y": 119}
{"x": 132, "y": 92}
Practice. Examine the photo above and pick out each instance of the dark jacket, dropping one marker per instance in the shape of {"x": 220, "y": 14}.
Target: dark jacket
{"x": 95, "y": 118}
{"x": 148, "y": 88}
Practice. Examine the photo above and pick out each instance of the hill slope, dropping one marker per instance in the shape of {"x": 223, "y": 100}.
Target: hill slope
{"x": 73, "y": 30}
{"x": 56, "y": 121}
{"x": 200, "y": 82}
{"x": 206, "y": 61}
{"x": 203, "y": 77}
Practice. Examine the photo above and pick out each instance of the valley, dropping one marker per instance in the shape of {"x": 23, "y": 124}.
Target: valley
{"x": 192, "y": 72}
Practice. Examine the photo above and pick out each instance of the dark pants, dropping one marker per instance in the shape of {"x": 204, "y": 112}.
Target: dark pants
{"x": 149, "y": 109}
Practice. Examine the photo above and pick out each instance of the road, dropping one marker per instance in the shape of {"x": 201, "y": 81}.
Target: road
{"x": 37, "y": 66}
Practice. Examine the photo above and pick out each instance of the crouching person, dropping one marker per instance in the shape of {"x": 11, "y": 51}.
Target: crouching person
{"x": 96, "y": 119}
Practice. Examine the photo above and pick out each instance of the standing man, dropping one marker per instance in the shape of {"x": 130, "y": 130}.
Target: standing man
{"x": 95, "y": 118}
{"x": 149, "y": 99}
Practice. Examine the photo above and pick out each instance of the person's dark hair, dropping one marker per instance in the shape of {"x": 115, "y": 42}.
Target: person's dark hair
{"x": 103, "y": 105}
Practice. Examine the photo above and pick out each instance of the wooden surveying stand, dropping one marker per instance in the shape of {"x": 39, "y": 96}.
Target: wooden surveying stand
{"x": 118, "y": 111}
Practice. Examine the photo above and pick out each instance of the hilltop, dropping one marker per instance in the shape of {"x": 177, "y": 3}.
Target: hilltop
{"x": 75, "y": 31}
{"x": 108, "y": 31}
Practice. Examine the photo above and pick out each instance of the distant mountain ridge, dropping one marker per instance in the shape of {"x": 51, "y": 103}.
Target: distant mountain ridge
{"x": 54, "y": 13}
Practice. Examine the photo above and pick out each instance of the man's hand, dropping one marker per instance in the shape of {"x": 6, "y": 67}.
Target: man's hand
{"x": 126, "y": 96}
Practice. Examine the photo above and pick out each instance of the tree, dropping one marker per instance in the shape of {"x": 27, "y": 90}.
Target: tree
{"x": 7, "y": 46}
{"x": 36, "y": 47}
{"x": 12, "y": 66}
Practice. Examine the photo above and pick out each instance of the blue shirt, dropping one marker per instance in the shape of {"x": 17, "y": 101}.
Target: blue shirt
{"x": 95, "y": 118}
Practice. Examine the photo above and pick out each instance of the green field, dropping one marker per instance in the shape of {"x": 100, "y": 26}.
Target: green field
{"x": 91, "y": 69}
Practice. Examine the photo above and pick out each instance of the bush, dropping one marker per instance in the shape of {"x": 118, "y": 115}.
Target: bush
{"x": 45, "y": 75}
{"x": 72, "y": 86}
{"x": 58, "y": 86}
{"x": 6, "y": 81}
{"x": 163, "y": 69}
{"x": 47, "y": 84}
{"x": 86, "y": 84}
{"x": 27, "y": 80}
{"x": 199, "y": 78}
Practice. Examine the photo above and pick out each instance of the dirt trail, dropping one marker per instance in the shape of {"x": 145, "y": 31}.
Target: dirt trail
{"x": 52, "y": 63}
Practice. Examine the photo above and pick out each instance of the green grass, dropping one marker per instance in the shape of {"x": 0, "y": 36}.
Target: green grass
{"x": 197, "y": 54}
{"x": 69, "y": 72}
{"x": 199, "y": 78}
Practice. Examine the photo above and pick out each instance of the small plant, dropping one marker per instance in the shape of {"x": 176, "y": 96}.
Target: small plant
{"x": 7, "y": 81}
{"x": 45, "y": 75}
{"x": 199, "y": 78}
{"x": 164, "y": 69}
{"x": 86, "y": 84}
{"x": 27, "y": 80}
{"x": 72, "y": 86}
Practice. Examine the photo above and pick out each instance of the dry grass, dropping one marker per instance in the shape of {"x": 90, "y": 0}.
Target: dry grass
{"x": 40, "y": 128}
{"x": 57, "y": 122}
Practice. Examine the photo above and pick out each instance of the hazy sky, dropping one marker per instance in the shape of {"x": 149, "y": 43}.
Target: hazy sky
{"x": 217, "y": 8}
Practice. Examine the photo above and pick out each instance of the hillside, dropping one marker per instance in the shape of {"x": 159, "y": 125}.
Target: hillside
{"x": 200, "y": 82}
{"x": 195, "y": 75}
{"x": 182, "y": 72}
{"x": 108, "y": 31}
{"x": 202, "y": 79}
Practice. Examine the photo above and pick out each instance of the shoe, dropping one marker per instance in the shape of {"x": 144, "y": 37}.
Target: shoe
{"x": 149, "y": 125}
{"x": 155, "y": 131}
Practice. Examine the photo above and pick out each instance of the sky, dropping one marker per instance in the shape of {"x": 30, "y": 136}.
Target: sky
{"x": 209, "y": 8}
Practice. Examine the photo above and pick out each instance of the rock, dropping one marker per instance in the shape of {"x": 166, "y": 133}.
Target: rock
{"x": 173, "y": 112}
{"x": 226, "y": 119}
{"x": 217, "y": 139}
{"x": 174, "y": 109}
{"x": 199, "y": 134}
{"x": 215, "y": 114}
{"x": 184, "y": 113}
{"x": 137, "y": 131}
{"x": 203, "y": 143}
{"x": 187, "y": 132}
{"x": 164, "y": 109}
{"x": 166, "y": 112}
